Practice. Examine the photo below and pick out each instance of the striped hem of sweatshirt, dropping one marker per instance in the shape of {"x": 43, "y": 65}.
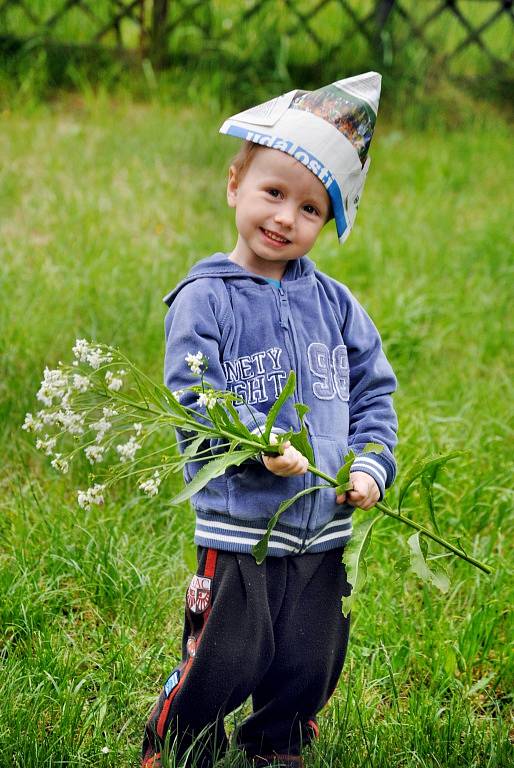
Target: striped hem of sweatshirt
{"x": 233, "y": 535}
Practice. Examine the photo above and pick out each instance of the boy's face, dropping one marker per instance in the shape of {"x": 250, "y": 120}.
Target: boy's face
{"x": 280, "y": 210}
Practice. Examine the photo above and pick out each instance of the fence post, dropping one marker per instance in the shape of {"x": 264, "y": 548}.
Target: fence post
{"x": 383, "y": 10}
{"x": 159, "y": 33}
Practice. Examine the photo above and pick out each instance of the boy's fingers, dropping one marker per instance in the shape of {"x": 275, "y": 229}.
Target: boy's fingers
{"x": 341, "y": 498}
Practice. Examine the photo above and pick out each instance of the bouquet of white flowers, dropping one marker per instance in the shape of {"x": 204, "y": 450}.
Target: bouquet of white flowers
{"x": 103, "y": 406}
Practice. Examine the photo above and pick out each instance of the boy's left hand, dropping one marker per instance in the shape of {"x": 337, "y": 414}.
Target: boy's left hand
{"x": 364, "y": 494}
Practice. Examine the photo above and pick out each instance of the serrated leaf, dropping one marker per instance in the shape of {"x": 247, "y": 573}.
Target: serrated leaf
{"x": 424, "y": 466}
{"x": 354, "y": 559}
{"x": 236, "y": 420}
{"x": 277, "y": 405}
{"x": 260, "y": 550}
{"x": 189, "y": 451}
{"x": 300, "y": 440}
{"x": 343, "y": 474}
{"x": 210, "y": 470}
{"x": 343, "y": 488}
{"x": 418, "y": 561}
{"x": 373, "y": 448}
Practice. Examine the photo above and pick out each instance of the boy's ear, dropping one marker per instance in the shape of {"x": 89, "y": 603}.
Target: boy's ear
{"x": 232, "y": 186}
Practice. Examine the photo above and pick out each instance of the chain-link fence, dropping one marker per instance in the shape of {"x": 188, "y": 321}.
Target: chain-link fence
{"x": 460, "y": 37}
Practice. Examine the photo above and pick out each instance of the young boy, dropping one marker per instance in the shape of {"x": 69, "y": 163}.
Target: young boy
{"x": 276, "y": 631}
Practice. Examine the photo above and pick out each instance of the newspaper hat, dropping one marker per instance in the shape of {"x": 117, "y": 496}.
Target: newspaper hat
{"x": 328, "y": 130}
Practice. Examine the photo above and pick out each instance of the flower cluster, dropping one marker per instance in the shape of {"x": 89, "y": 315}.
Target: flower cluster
{"x": 197, "y": 363}
{"x": 114, "y": 383}
{"x": 54, "y": 385}
{"x": 151, "y": 486}
{"x": 94, "y": 356}
{"x": 93, "y": 495}
{"x": 127, "y": 450}
{"x": 204, "y": 398}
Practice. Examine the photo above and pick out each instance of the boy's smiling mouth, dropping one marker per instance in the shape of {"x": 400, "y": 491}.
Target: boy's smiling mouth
{"x": 274, "y": 237}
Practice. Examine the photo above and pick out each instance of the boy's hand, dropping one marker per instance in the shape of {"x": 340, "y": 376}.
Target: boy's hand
{"x": 291, "y": 462}
{"x": 365, "y": 492}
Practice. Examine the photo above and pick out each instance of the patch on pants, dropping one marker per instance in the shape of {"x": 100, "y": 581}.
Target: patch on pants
{"x": 199, "y": 594}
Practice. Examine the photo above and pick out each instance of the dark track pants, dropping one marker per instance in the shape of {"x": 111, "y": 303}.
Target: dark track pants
{"x": 274, "y": 632}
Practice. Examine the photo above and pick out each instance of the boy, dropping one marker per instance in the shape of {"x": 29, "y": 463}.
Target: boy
{"x": 276, "y": 631}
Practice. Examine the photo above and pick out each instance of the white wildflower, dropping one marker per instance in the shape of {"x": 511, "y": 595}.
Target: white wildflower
{"x": 206, "y": 399}
{"x": 109, "y": 412}
{"x": 151, "y": 486}
{"x": 71, "y": 422}
{"x": 177, "y": 394}
{"x": 195, "y": 362}
{"x": 138, "y": 428}
{"x": 46, "y": 445}
{"x": 31, "y": 424}
{"x": 88, "y": 353}
{"x": 105, "y": 750}
{"x": 94, "y": 453}
{"x": 113, "y": 383}
{"x": 92, "y": 496}
{"x": 81, "y": 350}
{"x": 96, "y": 357}
{"x": 60, "y": 464}
{"x": 101, "y": 427}
{"x": 54, "y": 385}
{"x": 127, "y": 450}
{"x": 80, "y": 383}
{"x": 49, "y": 418}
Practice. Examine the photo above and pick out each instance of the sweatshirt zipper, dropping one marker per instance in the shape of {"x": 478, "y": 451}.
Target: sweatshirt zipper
{"x": 287, "y": 324}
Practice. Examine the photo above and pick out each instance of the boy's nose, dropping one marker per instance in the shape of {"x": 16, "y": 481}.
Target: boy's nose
{"x": 285, "y": 216}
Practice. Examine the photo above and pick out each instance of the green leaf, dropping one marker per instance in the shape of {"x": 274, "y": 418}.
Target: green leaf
{"x": 373, "y": 448}
{"x": 300, "y": 440}
{"x": 189, "y": 452}
{"x": 423, "y": 467}
{"x": 419, "y": 564}
{"x": 277, "y": 405}
{"x": 343, "y": 474}
{"x": 354, "y": 559}
{"x": 236, "y": 421}
{"x": 260, "y": 550}
{"x": 212, "y": 469}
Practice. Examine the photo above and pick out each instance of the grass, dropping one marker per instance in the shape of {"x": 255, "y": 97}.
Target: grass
{"x": 105, "y": 205}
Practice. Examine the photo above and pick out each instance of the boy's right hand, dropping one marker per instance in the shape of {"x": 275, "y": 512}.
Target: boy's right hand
{"x": 291, "y": 462}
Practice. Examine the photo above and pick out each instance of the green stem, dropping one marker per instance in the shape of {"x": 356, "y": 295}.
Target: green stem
{"x": 386, "y": 510}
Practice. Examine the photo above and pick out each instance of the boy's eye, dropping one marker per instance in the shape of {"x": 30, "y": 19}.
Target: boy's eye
{"x": 274, "y": 192}
{"x": 310, "y": 209}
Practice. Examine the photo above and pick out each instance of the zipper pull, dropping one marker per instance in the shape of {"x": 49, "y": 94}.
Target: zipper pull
{"x": 284, "y": 313}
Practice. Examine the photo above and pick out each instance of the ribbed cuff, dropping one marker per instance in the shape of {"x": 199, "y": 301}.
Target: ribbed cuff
{"x": 366, "y": 463}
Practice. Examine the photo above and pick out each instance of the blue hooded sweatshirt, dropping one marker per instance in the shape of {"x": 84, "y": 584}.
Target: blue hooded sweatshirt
{"x": 253, "y": 335}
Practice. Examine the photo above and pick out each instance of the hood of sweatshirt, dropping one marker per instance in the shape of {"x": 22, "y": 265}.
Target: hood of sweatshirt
{"x": 219, "y": 265}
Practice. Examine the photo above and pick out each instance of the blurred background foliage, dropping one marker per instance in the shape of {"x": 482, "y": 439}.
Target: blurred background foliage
{"x": 205, "y": 50}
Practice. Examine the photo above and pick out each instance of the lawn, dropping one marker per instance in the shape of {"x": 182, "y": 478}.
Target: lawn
{"x": 104, "y": 205}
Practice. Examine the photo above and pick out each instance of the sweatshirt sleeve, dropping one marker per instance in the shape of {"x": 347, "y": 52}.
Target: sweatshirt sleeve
{"x": 194, "y": 323}
{"x": 372, "y": 382}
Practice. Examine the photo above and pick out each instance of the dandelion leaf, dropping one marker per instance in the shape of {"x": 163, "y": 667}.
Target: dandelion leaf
{"x": 425, "y": 468}
{"x": 433, "y": 573}
{"x": 260, "y": 550}
{"x": 212, "y": 469}
{"x": 277, "y": 405}
{"x": 300, "y": 440}
{"x": 354, "y": 559}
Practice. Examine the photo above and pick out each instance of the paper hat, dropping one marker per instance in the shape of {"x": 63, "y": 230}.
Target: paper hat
{"x": 328, "y": 130}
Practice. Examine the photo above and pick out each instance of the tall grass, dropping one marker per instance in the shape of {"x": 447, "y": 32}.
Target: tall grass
{"x": 104, "y": 206}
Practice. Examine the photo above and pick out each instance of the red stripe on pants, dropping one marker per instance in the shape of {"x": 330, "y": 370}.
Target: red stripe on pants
{"x": 209, "y": 571}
